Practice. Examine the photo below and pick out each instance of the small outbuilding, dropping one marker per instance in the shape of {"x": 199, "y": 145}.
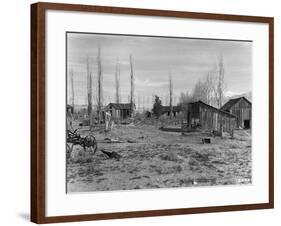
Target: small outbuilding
{"x": 204, "y": 116}
{"x": 242, "y": 108}
{"x": 121, "y": 110}
{"x": 69, "y": 108}
{"x": 166, "y": 110}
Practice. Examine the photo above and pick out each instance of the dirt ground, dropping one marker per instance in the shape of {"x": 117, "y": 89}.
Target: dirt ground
{"x": 151, "y": 158}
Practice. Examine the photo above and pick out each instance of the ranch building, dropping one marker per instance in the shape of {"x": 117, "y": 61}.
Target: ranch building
{"x": 242, "y": 108}
{"x": 206, "y": 117}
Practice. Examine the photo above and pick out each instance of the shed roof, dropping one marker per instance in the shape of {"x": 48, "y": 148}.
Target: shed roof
{"x": 215, "y": 109}
{"x": 120, "y": 106}
{"x": 229, "y": 104}
{"x": 69, "y": 106}
{"x": 168, "y": 109}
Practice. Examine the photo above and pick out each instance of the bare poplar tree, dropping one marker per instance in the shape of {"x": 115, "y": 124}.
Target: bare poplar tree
{"x": 219, "y": 89}
{"x": 117, "y": 82}
{"x": 203, "y": 89}
{"x": 72, "y": 87}
{"x": 143, "y": 103}
{"x": 100, "y": 85}
{"x": 207, "y": 86}
{"x": 171, "y": 94}
{"x": 219, "y": 84}
{"x": 210, "y": 89}
{"x": 198, "y": 92}
{"x": 185, "y": 98}
{"x": 89, "y": 93}
{"x": 132, "y": 98}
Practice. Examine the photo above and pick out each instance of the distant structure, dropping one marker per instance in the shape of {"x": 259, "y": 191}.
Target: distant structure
{"x": 170, "y": 111}
{"x": 121, "y": 110}
{"x": 204, "y": 116}
{"x": 242, "y": 108}
{"x": 69, "y": 108}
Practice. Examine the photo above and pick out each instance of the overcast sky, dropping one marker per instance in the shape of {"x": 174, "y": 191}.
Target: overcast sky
{"x": 154, "y": 58}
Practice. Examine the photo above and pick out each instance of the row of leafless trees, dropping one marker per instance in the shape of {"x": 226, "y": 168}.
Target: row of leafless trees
{"x": 99, "y": 98}
{"x": 132, "y": 82}
{"x": 210, "y": 89}
{"x": 99, "y": 95}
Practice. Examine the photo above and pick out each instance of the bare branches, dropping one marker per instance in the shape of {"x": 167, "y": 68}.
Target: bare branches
{"x": 100, "y": 87}
{"x": 132, "y": 97}
{"x": 171, "y": 93}
{"x": 72, "y": 87}
{"x": 209, "y": 89}
{"x": 89, "y": 89}
{"x": 219, "y": 85}
{"x": 185, "y": 98}
{"x": 117, "y": 82}
{"x": 203, "y": 90}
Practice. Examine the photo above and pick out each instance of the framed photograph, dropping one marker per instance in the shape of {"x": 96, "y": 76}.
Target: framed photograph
{"x": 141, "y": 112}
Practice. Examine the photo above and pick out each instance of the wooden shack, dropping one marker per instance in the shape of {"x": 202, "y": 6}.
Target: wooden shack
{"x": 206, "y": 117}
{"x": 69, "y": 108}
{"x": 166, "y": 110}
{"x": 242, "y": 108}
{"x": 120, "y": 111}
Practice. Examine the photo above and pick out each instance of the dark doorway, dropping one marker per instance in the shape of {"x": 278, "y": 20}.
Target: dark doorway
{"x": 246, "y": 124}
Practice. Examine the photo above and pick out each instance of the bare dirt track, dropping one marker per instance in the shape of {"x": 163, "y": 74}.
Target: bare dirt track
{"x": 151, "y": 158}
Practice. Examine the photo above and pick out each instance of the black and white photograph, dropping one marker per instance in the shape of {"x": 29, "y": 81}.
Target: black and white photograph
{"x": 150, "y": 112}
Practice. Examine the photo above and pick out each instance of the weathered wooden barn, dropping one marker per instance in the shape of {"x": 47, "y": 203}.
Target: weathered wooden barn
{"x": 120, "y": 111}
{"x": 204, "y": 116}
{"x": 166, "y": 110}
{"x": 242, "y": 108}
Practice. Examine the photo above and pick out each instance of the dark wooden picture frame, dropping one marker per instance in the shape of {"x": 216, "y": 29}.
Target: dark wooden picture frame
{"x": 38, "y": 120}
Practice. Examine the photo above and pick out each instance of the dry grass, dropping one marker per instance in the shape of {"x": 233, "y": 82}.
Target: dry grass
{"x": 158, "y": 159}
